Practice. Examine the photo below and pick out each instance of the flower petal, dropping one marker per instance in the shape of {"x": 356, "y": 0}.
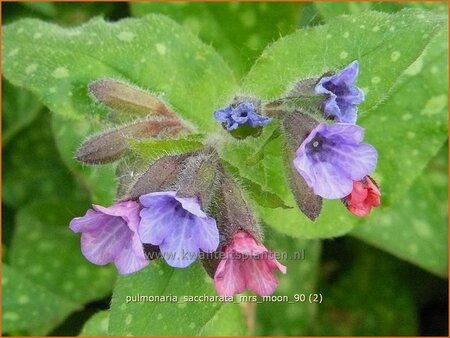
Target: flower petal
{"x": 157, "y": 222}
{"x": 132, "y": 257}
{"x": 229, "y": 279}
{"x": 206, "y": 234}
{"x": 259, "y": 277}
{"x": 179, "y": 248}
{"x": 103, "y": 245}
{"x": 91, "y": 221}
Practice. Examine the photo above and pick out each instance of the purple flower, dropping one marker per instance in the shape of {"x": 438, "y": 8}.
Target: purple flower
{"x": 110, "y": 235}
{"x": 342, "y": 94}
{"x": 178, "y": 226}
{"x": 244, "y": 113}
{"x": 332, "y": 157}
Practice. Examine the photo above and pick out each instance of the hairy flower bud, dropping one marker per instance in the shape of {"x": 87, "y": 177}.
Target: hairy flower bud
{"x": 232, "y": 213}
{"x": 160, "y": 176}
{"x": 200, "y": 177}
{"x": 296, "y": 127}
{"x": 122, "y": 97}
{"x": 110, "y": 145}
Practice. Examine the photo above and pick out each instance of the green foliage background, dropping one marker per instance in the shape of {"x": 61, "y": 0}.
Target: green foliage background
{"x": 386, "y": 276}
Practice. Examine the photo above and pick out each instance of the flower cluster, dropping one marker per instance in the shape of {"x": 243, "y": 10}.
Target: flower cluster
{"x": 188, "y": 207}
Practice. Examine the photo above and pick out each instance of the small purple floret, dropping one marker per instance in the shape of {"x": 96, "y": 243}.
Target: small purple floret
{"x": 342, "y": 94}
{"x": 244, "y": 113}
{"x": 178, "y": 226}
{"x": 110, "y": 235}
{"x": 332, "y": 157}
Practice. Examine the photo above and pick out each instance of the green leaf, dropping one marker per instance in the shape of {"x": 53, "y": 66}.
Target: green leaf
{"x": 370, "y": 297}
{"x": 239, "y": 31}
{"x": 385, "y": 56}
{"x": 152, "y": 149}
{"x": 27, "y": 305}
{"x": 416, "y": 229}
{"x": 152, "y": 52}
{"x": 19, "y": 109}
{"x": 292, "y": 318}
{"x": 156, "y": 317}
{"x": 28, "y": 160}
{"x": 48, "y": 253}
{"x": 264, "y": 198}
{"x": 329, "y": 10}
{"x": 97, "y": 325}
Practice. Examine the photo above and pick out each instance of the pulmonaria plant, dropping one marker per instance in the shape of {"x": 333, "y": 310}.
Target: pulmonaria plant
{"x": 247, "y": 264}
{"x": 178, "y": 226}
{"x": 342, "y": 95}
{"x": 186, "y": 205}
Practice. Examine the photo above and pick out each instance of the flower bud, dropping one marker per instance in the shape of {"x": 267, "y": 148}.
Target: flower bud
{"x": 232, "y": 213}
{"x": 296, "y": 127}
{"x": 122, "y": 97}
{"x": 110, "y": 145}
{"x": 160, "y": 176}
{"x": 200, "y": 177}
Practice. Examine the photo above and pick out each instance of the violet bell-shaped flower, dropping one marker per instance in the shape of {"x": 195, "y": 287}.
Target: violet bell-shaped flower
{"x": 242, "y": 113}
{"x": 332, "y": 157}
{"x": 178, "y": 226}
{"x": 110, "y": 235}
{"x": 343, "y": 95}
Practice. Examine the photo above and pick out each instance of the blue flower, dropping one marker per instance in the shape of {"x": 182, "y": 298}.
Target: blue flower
{"x": 342, "y": 94}
{"x": 244, "y": 113}
{"x": 332, "y": 157}
{"x": 178, "y": 226}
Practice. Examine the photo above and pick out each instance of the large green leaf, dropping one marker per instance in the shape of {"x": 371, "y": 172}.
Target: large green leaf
{"x": 416, "y": 228}
{"x": 156, "y": 317}
{"x": 153, "y": 52}
{"x": 239, "y": 31}
{"x": 26, "y": 305}
{"x": 387, "y": 46}
{"x": 48, "y": 253}
{"x": 329, "y": 10}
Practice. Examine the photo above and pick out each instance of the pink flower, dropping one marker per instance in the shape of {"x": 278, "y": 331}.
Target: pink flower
{"x": 364, "y": 196}
{"x": 247, "y": 265}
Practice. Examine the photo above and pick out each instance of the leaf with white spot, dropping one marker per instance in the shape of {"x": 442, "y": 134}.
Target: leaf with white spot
{"x": 416, "y": 228}
{"x": 97, "y": 325}
{"x": 238, "y": 31}
{"x": 48, "y": 253}
{"x": 136, "y": 310}
{"x": 153, "y": 52}
{"x": 26, "y": 305}
{"x": 387, "y": 46}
